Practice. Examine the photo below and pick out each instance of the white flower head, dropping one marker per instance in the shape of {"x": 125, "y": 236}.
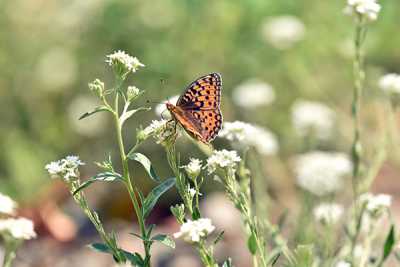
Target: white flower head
{"x": 367, "y": 9}
{"x": 20, "y": 228}
{"x": 283, "y": 32}
{"x": 194, "y": 231}
{"x": 390, "y": 84}
{"x": 224, "y": 159}
{"x": 242, "y": 134}
{"x": 313, "y": 118}
{"x": 7, "y": 205}
{"x": 253, "y": 94}
{"x": 66, "y": 168}
{"x": 161, "y": 130}
{"x": 376, "y": 204}
{"x": 328, "y": 213}
{"x": 322, "y": 173}
{"x": 123, "y": 63}
{"x": 161, "y": 108}
{"x": 193, "y": 168}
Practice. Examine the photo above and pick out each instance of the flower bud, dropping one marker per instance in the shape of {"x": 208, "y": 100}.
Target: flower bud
{"x": 97, "y": 87}
{"x": 132, "y": 93}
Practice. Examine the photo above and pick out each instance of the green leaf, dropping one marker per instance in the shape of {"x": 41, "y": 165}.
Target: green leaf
{"x": 389, "y": 243}
{"x": 104, "y": 177}
{"x": 98, "y": 109}
{"x": 164, "y": 239}
{"x": 135, "y": 259}
{"x": 142, "y": 159}
{"x": 128, "y": 114}
{"x": 100, "y": 247}
{"x": 155, "y": 194}
{"x": 196, "y": 213}
{"x": 252, "y": 244}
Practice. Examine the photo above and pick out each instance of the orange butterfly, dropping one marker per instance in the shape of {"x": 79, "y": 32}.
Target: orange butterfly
{"x": 198, "y": 109}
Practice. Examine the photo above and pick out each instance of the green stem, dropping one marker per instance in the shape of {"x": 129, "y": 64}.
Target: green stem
{"x": 10, "y": 246}
{"x": 359, "y": 78}
{"x": 132, "y": 190}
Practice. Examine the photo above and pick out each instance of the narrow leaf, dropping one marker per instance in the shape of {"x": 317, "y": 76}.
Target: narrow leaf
{"x": 134, "y": 259}
{"x": 146, "y": 163}
{"x": 100, "y": 247}
{"x": 129, "y": 113}
{"x": 104, "y": 177}
{"x": 98, "y": 109}
{"x": 219, "y": 237}
{"x": 155, "y": 194}
{"x": 228, "y": 263}
{"x": 252, "y": 244}
{"x": 164, "y": 239}
{"x": 389, "y": 243}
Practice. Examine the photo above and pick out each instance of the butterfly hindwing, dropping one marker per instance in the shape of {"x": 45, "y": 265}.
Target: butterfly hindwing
{"x": 204, "y": 93}
{"x": 210, "y": 122}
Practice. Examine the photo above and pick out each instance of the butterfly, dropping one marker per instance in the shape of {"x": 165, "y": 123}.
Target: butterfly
{"x": 198, "y": 108}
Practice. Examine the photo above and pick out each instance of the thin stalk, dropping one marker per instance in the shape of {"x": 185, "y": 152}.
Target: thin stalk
{"x": 359, "y": 78}
{"x": 10, "y": 247}
{"x": 132, "y": 190}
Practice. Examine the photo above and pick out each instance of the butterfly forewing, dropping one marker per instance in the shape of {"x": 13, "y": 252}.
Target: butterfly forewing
{"x": 198, "y": 109}
{"x": 204, "y": 93}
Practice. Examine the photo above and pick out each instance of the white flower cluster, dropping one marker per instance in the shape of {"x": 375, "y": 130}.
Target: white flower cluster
{"x": 376, "y": 204}
{"x": 224, "y": 159}
{"x": 314, "y": 118}
{"x": 122, "y": 60}
{"x": 159, "y": 129}
{"x": 283, "y": 32}
{"x": 253, "y": 94}
{"x": 66, "y": 168}
{"x": 18, "y": 228}
{"x": 328, "y": 213}
{"x": 7, "y": 205}
{"x": 390, "y": 83}
{"x": 367, "y": 9}
{"x": 242, "y": 134}
{"x": 322, "y": 173}
{"x": 160, "y": 108}
{"x": 193, "y": 168}
{"x": 194, "y": 231}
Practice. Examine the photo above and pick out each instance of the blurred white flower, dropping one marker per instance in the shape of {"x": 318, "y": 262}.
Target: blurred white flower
{"x": 7, "y": 205}
{"x": 242, "y": 134}
{"x": 252, "y": 94}
{"x": 87, "y": 127}
{"x": 343, "y": 264}
{"x": 193, "y": 191}
{"x": 367, "y": 9}
{"x": 161, "y": 108}
{"x": 322, "y": 173}
{"x": 313, "y": 118}
{"x": 193, "y": 168}
{"x": 20, "y": 228}
{"x": 283, "y": 32}
{"x": 194, "y": 231}
{"x": 390, "y": 83}
{"x": 123, "y": 62}
{"x": 376, "y": 204}
{"x": 66, "y": 168}
{"x": 222, "y": 159}
{"x": 57, "y": 69}
{"x": 328, "y": 213}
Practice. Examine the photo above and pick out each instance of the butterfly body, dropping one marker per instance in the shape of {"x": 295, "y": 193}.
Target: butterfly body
{"x": 198, "y": 109}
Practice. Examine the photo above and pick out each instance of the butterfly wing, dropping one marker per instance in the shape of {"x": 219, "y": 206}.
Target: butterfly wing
{"x": 200, "y": 105}
{"x": 202, "y": 94}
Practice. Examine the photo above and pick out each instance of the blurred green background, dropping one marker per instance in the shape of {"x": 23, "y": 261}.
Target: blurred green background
{"x": 50, "y": 50}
